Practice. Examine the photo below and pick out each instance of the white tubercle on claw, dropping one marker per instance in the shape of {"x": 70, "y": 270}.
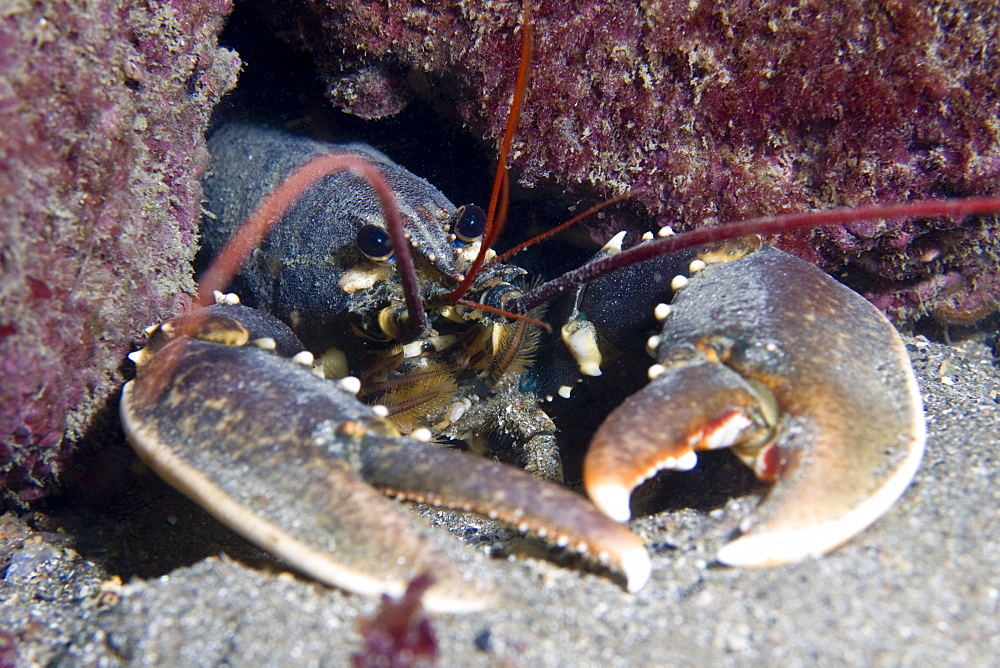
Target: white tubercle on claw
{"x": 662, "y": 311}
{"x": 652, "y": 343}
{"x": 140, "y": 357}
{"x": 305, "y": 358}
{"x": 727, "y": 433}
{"x": 265, "y": 343}
{"x": 422, "y": 434}
{"x": 227, "y": 299}
{"x": 686, "y": 462}
{"x": 350, "y": 383}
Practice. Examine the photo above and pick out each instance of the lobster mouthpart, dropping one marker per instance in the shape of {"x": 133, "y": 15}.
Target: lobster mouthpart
{"x": 806, "y": 380}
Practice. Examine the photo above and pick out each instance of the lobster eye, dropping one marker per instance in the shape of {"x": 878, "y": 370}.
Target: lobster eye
{"x": 470, "y": 223}
{"x": 375, "y": 243}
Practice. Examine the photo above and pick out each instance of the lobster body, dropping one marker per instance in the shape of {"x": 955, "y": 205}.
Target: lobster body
{"x": 758, "y": 351}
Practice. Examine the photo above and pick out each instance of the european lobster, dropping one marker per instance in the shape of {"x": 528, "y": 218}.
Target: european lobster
{"x": 227, "y": 405}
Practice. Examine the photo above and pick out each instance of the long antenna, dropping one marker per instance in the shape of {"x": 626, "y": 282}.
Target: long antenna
{"x": 764, "y": 225}
{"x": 497, "y": 211}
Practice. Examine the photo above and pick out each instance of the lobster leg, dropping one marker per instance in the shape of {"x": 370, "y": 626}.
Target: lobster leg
{"x": 289, "y": 460}
{"x": 771, "y": 356}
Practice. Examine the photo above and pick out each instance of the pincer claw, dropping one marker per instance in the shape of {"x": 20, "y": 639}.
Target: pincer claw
{"x": 268, "y": 449}
{"x": 803, "y": 378}
{"x": 710, "y": 406}
{"x": 226, "y": 409}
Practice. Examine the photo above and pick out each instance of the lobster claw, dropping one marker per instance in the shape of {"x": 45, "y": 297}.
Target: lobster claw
{"x": 226, "y": 408}
{"x": 684, "y": 409}
{"x": 770, "y": 356}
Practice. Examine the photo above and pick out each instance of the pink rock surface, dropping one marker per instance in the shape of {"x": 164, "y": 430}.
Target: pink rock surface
{"x": 719, "y": 111}
{"x": 103, "y": 107}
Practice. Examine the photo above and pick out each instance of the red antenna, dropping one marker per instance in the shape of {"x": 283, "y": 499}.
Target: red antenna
{"x": 506, "y": 255}
{"x": 764, "y": 225}
{"x": 496, "y": 214}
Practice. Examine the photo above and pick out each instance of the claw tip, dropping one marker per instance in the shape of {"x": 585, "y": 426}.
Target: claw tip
{"x": 637, "y": 568}
{"x": 764, "y": 544}
{"x": 765, "y": 550}
{"x": 612, "y": 500}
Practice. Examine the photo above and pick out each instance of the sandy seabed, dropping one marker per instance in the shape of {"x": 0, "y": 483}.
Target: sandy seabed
{"x": 921, "y": 586}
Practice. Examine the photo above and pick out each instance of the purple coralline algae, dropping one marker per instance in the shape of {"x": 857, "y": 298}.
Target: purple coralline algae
{"x": 103, "y": 108}
{"x": 717, "y": 111}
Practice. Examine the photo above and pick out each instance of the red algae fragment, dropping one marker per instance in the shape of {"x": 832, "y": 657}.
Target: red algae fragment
{"x": 399, "y": 635}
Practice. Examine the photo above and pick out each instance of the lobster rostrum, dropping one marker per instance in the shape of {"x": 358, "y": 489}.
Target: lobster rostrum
{"x": 260, "y": 418}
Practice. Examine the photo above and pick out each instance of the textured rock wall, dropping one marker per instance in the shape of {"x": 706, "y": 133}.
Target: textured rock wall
{"x": 716, "y": 111}
{"x": 103, "y": 107}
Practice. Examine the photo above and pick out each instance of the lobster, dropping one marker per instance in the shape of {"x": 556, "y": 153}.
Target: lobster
{"x": 756, "y": 350}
